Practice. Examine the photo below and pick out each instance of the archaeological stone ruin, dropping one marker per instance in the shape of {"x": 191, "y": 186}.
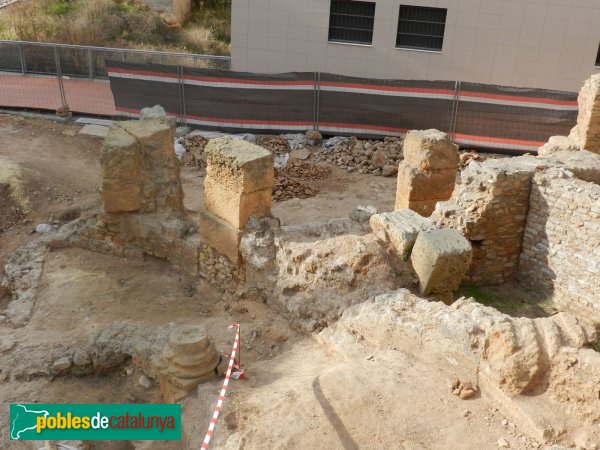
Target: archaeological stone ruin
{"x": 376, "y": 280}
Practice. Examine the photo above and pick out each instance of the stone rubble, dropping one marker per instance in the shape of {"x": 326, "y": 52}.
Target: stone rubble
{"x": 360, "y": 156}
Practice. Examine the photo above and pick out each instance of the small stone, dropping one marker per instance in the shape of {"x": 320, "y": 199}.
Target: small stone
{"x": 363, "y": 213}
{"x": 61, "y": 364}
{"x": 43, "y": 228}
{"x": 503, "y": 443}
{"x": 314, "y": 135}
{"x": 145, "y": 382}
{"x": 389, "y": 170}
{"x": 379, "y": 159}
{"x": 155, "y": 112}
{"x": 466, "y": 413}
{"x": 466, "y": 393}
{"x": 301, "y": 153}
{"x": 6, "y": 342}
{"x": 504, "y": 422}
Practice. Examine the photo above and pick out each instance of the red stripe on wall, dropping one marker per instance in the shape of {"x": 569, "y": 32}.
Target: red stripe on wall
{"x": 474, "y": 95}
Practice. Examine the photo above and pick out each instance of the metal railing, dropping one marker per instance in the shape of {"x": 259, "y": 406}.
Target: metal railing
{"x": 82, "y": 61}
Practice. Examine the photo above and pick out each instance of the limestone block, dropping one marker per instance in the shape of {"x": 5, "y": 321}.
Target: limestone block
{"x": 587, "y": 131}
{"x": 415, "y": 184}
{"x": 120, "y": 157}
{"x": 239, "y": 165}
{"x": 155, "y": 135}
{"x": 430, "y": 150}
{"x": 440, "y": 259}
{"x": 399, "y": 229}
{"x": 234, "y": 206}
{"x": 220, "y": 235}
{"x": 424, "y": 207}
{"x": 121, "y": 196}
{"x": 558, "y": 144}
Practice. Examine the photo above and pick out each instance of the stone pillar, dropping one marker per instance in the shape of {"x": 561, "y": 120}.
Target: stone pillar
{"x": 238, "y": 184}
{"x": 189, "y": 358}
{"x": 428, "y": 173}
{"x": 587, "y": 131}
{"x": 140, "y": 172}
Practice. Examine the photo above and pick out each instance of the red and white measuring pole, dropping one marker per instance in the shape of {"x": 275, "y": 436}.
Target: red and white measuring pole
{"x": 239, "y": 373}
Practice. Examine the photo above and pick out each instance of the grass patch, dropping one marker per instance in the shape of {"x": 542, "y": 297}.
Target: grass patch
{"x": 118, "y": 23}
{"x": 595, "y": 345}
{"x": 513, "y": 300}
{"x": 61, "y": 7}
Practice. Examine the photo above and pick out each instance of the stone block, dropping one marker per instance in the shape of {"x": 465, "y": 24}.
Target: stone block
{"x": 235, "y": 206}
{"x": 239, "y": 165}
{"x": 415, "y": 184}
{"x": 558, "y": 144}
{"x": 156, "y": 136}
{"x": 220, "y": 235}
{"x": 430, "y": 150}
{"x": 121, "y": 196}
{"x": 399, "y": 229}
{"x": 121, "y": 157}
{"x": 440, "y": 259}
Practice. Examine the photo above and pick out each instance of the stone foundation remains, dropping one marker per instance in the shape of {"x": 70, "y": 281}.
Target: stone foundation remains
{"x": 586, "y": 134}
{"x": 560, "y": 254}
{"x": 489, "y": 207}
{"x": 428, "y": 172}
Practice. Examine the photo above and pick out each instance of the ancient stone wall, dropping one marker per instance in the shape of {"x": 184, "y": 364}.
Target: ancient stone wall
{"x": 587, "y": 131}
{"x": 489, "y": 207}
{"x": 140, "y": 173}
{"x": 561, "y": 245}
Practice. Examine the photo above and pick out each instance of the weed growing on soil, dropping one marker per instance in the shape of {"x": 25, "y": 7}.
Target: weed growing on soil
{"x": 118, "y": 23}
{"x": 507, "y": 300}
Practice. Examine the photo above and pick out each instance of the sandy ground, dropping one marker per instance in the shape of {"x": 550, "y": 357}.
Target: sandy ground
{"x": 298, "y": 394}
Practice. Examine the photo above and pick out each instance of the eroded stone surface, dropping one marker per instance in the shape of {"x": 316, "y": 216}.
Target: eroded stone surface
{"x": 428, "y": 173}
{"x": 399, "y": 229}
{"x": 587, "y": 131}
{"x": 440, "y": 258}
{"x": 560, "y": 255}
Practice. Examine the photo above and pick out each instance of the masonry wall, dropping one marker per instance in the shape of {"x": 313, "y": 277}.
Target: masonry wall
{"x": 525, "y": 43}
{"x": 560, "y": 253}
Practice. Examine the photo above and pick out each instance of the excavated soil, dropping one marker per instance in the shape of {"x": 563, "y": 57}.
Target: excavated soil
{"x": 299, "y": 392}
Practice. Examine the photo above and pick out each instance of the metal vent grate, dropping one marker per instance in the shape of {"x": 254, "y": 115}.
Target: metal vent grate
{"x": 351, "y": 21}
{"x": 421, "y": 28}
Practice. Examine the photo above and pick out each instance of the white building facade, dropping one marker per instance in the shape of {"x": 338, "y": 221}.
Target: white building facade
{"x": 549, "y": 44}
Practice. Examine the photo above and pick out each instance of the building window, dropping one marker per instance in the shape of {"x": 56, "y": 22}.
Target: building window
{"x": 351, "y": 21}
{"x": 598, "y": 57}
{"x": 421, "y": 28}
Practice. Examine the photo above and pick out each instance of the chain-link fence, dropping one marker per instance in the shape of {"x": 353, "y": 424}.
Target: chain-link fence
{"x": 61, "y": 75}
{"x": 40, "y": 58}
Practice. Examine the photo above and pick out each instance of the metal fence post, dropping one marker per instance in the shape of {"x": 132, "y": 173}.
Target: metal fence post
{"x": 182, "y": 96}
{"x": 454, "y": 114}
{"x": 317, "y": 98}
{"x": 90, "y": 64}
{"x": 22, "y": 58}
{"x": 61, "y": 87}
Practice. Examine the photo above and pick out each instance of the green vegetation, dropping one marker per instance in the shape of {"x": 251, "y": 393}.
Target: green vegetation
{"x": 118, "y": 23}
{"x": 512, "y": 300}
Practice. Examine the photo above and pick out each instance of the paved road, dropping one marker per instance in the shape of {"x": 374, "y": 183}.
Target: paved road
{"x": 40, "y": 92}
